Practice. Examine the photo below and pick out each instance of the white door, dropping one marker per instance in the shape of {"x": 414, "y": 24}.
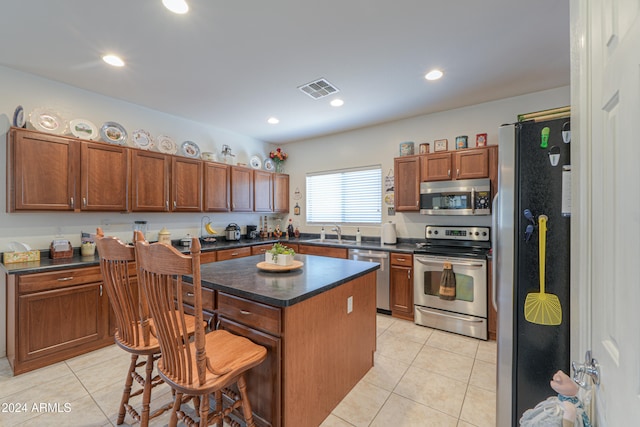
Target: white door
{"x": 606, "y": 259}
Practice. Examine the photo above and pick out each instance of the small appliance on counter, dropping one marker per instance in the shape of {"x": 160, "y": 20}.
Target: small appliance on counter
{"x": 140, "y": 226}
{"x": 232, "y": 232}
{"x": 252, "y": 232}
{"x": 389, "y": 236}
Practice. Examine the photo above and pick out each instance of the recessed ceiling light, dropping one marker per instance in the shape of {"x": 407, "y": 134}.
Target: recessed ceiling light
{"x": 433, "y": 75}
{"x": 337, "y": 102}
{"x": 273, "y": 121}
{"x": 114, "y": 60}
{"x": 176, "y": 6}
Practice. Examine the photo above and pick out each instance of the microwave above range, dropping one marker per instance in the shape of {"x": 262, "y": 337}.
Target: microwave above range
{"x": 461, "y": 197}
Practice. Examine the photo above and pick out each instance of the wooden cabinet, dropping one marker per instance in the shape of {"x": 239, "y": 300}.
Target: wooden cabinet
{"x": 207, "y": 257}
{"x": 407, "y": 183}
{"x": 261, "y": 324}
{"x": 54, "y": 316}
{"x": 436, "y": 167}
{"x": 186, "y": 184}
{"x": 217, "y": 187}
{"x": 260, "y": 249}
{"x": 225, "y": 254}
{"x": 47, "y": 172}
{"x": 492, "y": 321}
{"x": 401, "y": 285}
{"x": 262, "y": 191}
{"x": 471, "y": 163}
{"x": 241, "y": 189}
{"x": 323, "y": 251}
{"x": 280, "y": 193}
{"x": 150, "y": 181}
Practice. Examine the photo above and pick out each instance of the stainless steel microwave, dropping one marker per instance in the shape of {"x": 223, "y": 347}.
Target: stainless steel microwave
{"x": 461, "y": 197}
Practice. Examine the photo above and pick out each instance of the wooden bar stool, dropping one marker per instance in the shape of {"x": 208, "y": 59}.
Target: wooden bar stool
{"x": 135, "y": 331}
{"x": 211, "y": 363}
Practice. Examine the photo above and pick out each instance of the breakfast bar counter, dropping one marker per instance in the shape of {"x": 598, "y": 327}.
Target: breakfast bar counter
{"x": 318, "y": 324}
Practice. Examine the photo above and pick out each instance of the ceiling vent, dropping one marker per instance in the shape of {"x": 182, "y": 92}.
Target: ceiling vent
{"x": 319, "y": 89}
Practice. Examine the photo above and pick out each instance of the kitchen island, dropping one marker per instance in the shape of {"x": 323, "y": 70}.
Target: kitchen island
{"x": 318, "y": 324}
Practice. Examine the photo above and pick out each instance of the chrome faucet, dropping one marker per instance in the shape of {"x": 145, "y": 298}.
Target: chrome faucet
{"x": 338, "y": 230}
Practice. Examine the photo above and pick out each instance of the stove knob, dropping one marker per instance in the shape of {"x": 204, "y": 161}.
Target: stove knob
{"x": 484, "y": 233}
{"x": 429, "y": 232}
{"x": 477, "y": 234}
{"x": 435, "y": 232}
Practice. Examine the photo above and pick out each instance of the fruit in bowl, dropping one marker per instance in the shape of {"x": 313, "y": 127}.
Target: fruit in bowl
{"x": 279, "y": 254}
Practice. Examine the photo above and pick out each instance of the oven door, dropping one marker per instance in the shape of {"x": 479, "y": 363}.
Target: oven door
{"x": 471, "y": 284}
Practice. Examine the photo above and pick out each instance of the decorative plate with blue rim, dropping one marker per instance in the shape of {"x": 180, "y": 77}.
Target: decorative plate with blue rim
{"x": 113, "y": 133}
{"x": 190, "y": 149}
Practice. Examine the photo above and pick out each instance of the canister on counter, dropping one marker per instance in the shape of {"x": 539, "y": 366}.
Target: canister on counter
{"x": 407, "y": 148}
{"x": 164, "y": 236}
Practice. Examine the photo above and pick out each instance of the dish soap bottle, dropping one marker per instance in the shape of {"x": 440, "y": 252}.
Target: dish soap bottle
{"x": 322, "y": 234}
{"x": 358, "y": 236}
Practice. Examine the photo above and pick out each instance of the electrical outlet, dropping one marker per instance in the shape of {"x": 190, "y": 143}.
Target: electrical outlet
{"x": 349, "y": 305}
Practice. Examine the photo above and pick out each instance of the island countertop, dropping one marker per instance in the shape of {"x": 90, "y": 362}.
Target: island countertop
{"x": 318, "y": 274}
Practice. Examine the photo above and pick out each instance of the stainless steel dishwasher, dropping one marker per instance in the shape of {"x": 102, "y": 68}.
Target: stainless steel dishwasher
{"x": 382, "y": 285}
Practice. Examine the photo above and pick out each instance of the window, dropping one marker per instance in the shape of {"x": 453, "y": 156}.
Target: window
{"x": 345, "y": 196}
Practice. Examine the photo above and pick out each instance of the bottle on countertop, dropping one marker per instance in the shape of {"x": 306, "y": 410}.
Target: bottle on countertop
{"x": 358, "y": 236}
{"x": 290, "y": 230}
{"x": 322, "y": 233}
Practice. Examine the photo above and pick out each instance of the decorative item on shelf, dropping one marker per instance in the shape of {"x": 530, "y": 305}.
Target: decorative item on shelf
{"x": 227, "y": 156}
{"x": 278, "y": 157}
{"x": 277, "y": 233}
{"x": 290, "y": 230}
{"x": 461, "y": 142}
{"x": 407, "y": 148}
{"x": 296, "y": 233}
{"x": 440, "y": 145}
{"x": 481, "y": 140}
{"x": 424, "y": 148}
{"x": 297, "y": 195}
{"x": 19, "y": 118}
{"x": 296, "y": 209}
{"x": 209, "y": 156}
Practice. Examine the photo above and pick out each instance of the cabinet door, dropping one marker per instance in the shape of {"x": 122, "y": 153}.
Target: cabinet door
{"x": 264, "y": 381}
{"x": 51, "y": 322}
{"x": 41, "y": 172}
{"x": 471, "y": 164}
{"x": 281, "y": 193}
{"x": 241, "y": 189}
{"x": 216, "y": 187}
{"x": 323, "y": 251}
{"x": 401, "y": 289}
{"x": 262, "y": 191}
{"x": 149, "y": 181}
{"x": 186, "y": 185}
{"x": 436, "y": 167}
{"x": 104, "y": 177}
{"x": 225, "y": 254}
{"x": 407, "y": 183}
{"x": 260, "y": 249}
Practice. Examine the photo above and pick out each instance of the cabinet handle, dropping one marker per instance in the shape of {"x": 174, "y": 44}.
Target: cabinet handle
{"x": 84, "y": 202}
{"x": 245, "y": 312}
{"x": 457, "y": 173}
{"x": 233, "y": 205}
{"x": 175, "y": 204}
{"x": 401, "y": 259}
{"x": 166, "y": 204}
{"x": 65, "y": 279}
{"x": 72, "y": 203}
{"x": 190, "y": 294}
{"x": 409, "y": 274}
{"x": 449, "y": 173}
{"x": 100, "y": 290}
{"x": 235, "y": 254}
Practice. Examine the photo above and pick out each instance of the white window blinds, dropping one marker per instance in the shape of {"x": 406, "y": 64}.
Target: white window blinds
{"x": 345, "y": 196}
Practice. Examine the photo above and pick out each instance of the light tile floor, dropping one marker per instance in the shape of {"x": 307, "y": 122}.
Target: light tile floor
{"x": 422, "y": 377}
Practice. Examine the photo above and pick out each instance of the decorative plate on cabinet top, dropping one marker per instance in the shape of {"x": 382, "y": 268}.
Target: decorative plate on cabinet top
{"x": 45, "y": 120}
{"x": 19, "y": 120}
{"x": 83, "y": 128}
{"x": 113, "y": 133}
{"x": 166, "y": 145}
{"x": 190, "y": 149}
{"x": 142, "y": 139}
{"x": 255, "y": 162}
{"x": 268, "y": 164}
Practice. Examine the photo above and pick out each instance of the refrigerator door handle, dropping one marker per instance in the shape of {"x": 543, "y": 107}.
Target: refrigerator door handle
{"x": 494, "y": 252}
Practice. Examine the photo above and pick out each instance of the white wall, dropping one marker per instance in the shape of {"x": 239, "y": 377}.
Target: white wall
{"x": 380, "y": 144}
{"x": 38, "y": 229}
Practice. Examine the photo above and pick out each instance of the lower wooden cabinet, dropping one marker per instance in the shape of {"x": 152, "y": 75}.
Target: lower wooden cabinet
{"x": 401, "y": 285}
{"x": 323, "y": 251}
{"x": 55, "y": 316}
{"x": 225, "y": 254}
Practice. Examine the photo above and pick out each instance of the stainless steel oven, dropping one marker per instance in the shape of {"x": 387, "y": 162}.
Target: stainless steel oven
{"x": 465, "y": 248}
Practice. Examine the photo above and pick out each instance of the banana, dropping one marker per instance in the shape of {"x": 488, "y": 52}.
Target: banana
{"x": 209, "y": 228}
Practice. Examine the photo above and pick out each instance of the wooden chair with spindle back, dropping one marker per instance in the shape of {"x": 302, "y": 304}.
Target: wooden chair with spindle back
{"x": 210, "y": 364}
{"x": 135, "y": 331}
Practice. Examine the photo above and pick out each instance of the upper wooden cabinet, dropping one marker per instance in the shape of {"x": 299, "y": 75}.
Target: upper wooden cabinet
{"x": 241, "y": 189}
{"x": 407, "y": 183}
{"x": 186, "y": 184}
{"x": 280, "y": 192}
{"x": 217, "y": 187}
{"x": 465, "y": 164}
{"x": 150, "y": 181}
{"x": 262, "y": 191}
{"x": 47, "y": 172}
{"x": 436, "y": 167}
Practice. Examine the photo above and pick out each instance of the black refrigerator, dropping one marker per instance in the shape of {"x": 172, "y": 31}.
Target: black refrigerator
{"x": 534, "y": 181}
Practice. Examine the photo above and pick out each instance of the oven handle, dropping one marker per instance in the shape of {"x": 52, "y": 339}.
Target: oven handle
{"x": 452, "y": 316}
{"x": 440, "y": 261}
{"x": 494, "y": 251}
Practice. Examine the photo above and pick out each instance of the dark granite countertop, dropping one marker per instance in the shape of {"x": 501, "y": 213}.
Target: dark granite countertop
{"x": 241, "y": 277}
{"x": 46, "y": 264}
